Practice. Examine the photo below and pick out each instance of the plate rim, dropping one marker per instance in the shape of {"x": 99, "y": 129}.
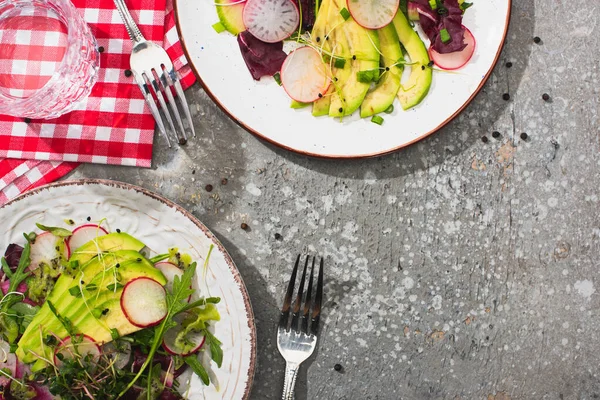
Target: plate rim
{"x": 171, "y": 204}
{"x": 340, "y": 157}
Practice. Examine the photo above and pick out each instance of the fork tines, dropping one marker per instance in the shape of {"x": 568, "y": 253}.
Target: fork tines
{"x": 311, "y": 310}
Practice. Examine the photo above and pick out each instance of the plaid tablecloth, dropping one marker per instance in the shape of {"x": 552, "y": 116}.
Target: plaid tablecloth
{"x": 113, "y": 126}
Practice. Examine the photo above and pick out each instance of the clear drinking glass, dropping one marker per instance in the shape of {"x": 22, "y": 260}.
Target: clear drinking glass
{"x": 49, "y": 59}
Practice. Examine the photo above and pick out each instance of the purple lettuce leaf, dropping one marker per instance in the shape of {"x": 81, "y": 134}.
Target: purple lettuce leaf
{"x": 432, "y": 22}
{"x": 262, "y": 59}
{"x": 13, "y": 256}
{"x": 307, "y": 9}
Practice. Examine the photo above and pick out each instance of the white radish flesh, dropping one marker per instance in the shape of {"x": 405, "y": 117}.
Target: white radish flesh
{"x": 304, "y": 75}
{"x": 144, "y": 302}
{"x": 82, "y": 347}
{"x": 457, "y": 59}
{"x": 45, "y": 249}
{"x": 373, "y": 14}
{"x": 195, "y": 339}
{"x": 83, "y": 234}
{"x": 271, "y": 20}
{"x": 170, "y": 271}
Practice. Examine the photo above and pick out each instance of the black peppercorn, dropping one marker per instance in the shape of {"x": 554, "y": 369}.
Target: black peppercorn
{"x": 208, "y": 188}
{"x": 506, "y": 96}
{"x": 422, "y": 67}
{"x": 182, "y": 141}
{"x": 484, "y": 139}
{"x": 495, "y": 134}
{"x": 27, "y": 120}
{"x": 341, "y": 109}
{"x": 320, "y": 95}
{"x": 244, "y": 226}
{"x": 127, "y": 73}
{"x": 337, "y": 367}
{"x": 224, "y": 181}
{"x": 387, "y": 68}
{"x": 89, "y": 218}
{"x": 537, "y": 40}
{"x": 101, "y": 49}
{"x": 278, "y": 236}
{"x": 524, "y": 136}
{"x": 508, "y": 64}
{"x": 118, "y": 230}
{"x": 354, "y": 57}
{"x": 546, "y": 97}
{"x": 318, "y": 39}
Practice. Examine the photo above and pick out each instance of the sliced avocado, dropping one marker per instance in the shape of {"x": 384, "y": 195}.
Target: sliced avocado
{"x": 230, "y": 16}
{"x": 297, "y": 105}
{"x": 83, "y": 310}
{"x": 364, "y": 44}
{"x": 107, "y": 243}
{"x": 320, "y": 29}
{"x": 341, "y": 76}
{"x": 382, "y": 96}
{"x": 414, "y": 91}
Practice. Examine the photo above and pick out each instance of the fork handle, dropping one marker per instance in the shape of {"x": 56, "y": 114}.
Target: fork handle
{"x": 291, "y": 373}
{"x": 130, "y": 25}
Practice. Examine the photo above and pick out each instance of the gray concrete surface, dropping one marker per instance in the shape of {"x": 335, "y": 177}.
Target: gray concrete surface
{"x": 457, "y": 269}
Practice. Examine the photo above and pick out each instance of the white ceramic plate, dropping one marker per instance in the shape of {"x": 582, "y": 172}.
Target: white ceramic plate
{"x": 263, "y": 107}
{"x": 160, "y": 224}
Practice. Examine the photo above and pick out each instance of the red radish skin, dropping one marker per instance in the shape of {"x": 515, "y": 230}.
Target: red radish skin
{"x": 144, "y": 302}
{"x": 458, "y": 59}
{"x": 88, "y": 345}
{"x": 171, "y": 335}
{"x": 83, "y": 234}
{"x": 373, "y": 14}
{"x": 304, "y": 75}
{"x": 271, "y": 20}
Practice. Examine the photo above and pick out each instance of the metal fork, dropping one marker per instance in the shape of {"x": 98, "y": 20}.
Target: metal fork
{"x": 296, "y": 337}
{"x": 154, "y": 73}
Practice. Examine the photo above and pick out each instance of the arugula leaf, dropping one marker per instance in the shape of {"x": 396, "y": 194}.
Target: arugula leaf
{"x": 216, "y": 352}
{"x": 198, "y": 369}
{"x": 59, "y": 232}
{"x": 66, "y": 322}
{"x": 114, "y": 286}
{"x": 176, "y": 301}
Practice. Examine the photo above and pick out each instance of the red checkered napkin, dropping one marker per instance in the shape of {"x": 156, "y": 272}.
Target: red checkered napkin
{"x": 113, "y": 126}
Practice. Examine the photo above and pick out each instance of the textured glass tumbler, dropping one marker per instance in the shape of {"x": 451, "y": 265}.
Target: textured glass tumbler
{"x": 49, "y": 58}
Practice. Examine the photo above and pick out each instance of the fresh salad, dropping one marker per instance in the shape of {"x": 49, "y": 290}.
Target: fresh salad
{"x": 349, "y": 54}
{"x": 92, "y": 314}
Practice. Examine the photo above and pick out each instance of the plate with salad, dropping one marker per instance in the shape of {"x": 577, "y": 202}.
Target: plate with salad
{"x": 342, "y": 78}
{"x": 109, "y": 291}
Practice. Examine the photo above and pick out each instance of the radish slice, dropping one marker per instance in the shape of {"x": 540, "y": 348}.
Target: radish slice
{"x": 45, "y": 249}
{"x": 170, "y": 271}
{"x": 458, "y": 59}
{"x": 69, "y": 349}
{"x": 119, "y": 354}
{"x": 83, "y": 234}
{"x": 144, "y": 302}
{"x": 271, "y": 20}
{"x": 304, "y": 75}
{"x": 373, "y": 14}
{"x": 194, "y": 339}
{"x": 8, "y": 361}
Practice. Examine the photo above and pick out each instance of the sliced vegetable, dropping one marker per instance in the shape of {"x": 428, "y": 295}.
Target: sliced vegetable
{"x": 456, "y": 60}
{"x": 262, "y": 59}
{"x": 304, "y": 75}
{"x": 230, "y": 15}
{"x": 83, "y": 234}
{"x": 377, "y": 120}
{"x": 45, "y": 249}
{"x": 144, "y": 302}
{"x": 182, "y": 341}
{"x": 373, "y": 14}
{"x": 170, "y": 271}
{"x": 271, "y": 20}
{"x": 80, "y": 346}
